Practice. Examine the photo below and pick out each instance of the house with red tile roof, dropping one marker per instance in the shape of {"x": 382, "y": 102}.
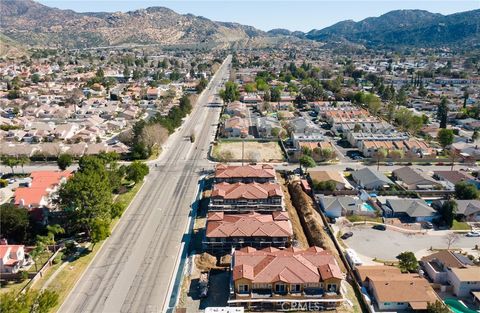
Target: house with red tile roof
{"x": 224, "y": 231}
{"x": 39, "y": 194}
{"x": 12, "y": 257}
{"x": 261, "y": 173}
{"x": 241, "y": 197}
{"x": 273, "y": 279}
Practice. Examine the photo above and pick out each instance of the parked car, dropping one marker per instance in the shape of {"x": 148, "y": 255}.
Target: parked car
{"x": 473, "y": 234}
{"x": 347, "y": 235}
{"x": 203, "y": 284}
{"x": 428, "y": 225}
{"x": 379, "y": 227}
{"x": 349, "y": 169}
{"x": 389, "y": 163}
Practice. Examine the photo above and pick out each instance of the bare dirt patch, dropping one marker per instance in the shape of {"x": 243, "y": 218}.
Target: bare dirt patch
{"x": 254, "y": 151}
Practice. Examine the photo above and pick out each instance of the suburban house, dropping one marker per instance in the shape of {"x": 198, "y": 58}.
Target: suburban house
{"x": 243, "y": 197}
{"x": 224, "y": 231}
{"x": 369, "y": 179}
{"x": 437, "y": 265}
{"x": 467, "y": 210}
{"x": 12, "y": 257}
{"x": 391, "y": 290}
{"x": 453, "y": 177}
{"x": 265, "y": 126}
{"x": 464, "y": 280}
{"x": 43, "y": 186}
{"x": 336, "y": 206}
{"x": 290, "y": 277}
{"x": 414, "y": 210}
{"x": 262, "y": 173}
{"x": 235, "y": 127}
{"x": 412, "y": 179}
{"x": 335, "y": 176}
{"x": 236, "y": 108}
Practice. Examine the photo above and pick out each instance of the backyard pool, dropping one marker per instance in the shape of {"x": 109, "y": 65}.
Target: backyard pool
{"x": 367, "y": 207}
{"x": 457, "y": 306}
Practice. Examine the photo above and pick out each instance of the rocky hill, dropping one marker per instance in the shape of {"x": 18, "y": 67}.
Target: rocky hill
{"x": 406, "y": 28}
{"x": 32, "y": 23}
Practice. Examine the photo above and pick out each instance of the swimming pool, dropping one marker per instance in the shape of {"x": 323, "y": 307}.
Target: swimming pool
{"x": 367, "y": 207}
{"x": 457, "y": 306}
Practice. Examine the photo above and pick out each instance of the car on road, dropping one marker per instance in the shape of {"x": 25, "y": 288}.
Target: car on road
{"x": 379, "y": 227}
{"x": 428, "y": 225}
{"x": 347, "y": 235}
{"x": 473, "y": 234}
{"x": 349, "y": 169}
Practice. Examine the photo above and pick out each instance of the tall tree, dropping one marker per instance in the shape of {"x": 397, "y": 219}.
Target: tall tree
{"x": 230, "y": 93}
{"x": 445, "y": 137}
{"x": 64, "y": 160}
{"x": 379, "y": 156}
{"x": 407, "y": 262}
{"x": 442, "y": 112}
{"x": 13, "y": 222}
{"x": 10, "y": 161}
{"x": 447, "y": 212}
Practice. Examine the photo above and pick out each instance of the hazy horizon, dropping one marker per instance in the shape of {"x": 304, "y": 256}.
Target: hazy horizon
{"x": 270, "y": 14}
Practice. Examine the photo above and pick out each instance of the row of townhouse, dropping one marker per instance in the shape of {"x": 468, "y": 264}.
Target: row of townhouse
{"x": 247, "y": 216}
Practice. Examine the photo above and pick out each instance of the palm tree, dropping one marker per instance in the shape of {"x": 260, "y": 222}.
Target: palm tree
{"x": 52, "y": 231}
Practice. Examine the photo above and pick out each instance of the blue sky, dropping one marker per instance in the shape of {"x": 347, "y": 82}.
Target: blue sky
{"x": 268, "y": 14}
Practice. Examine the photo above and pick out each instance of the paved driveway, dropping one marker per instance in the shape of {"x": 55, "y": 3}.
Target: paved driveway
{"x": 386, "y": 245}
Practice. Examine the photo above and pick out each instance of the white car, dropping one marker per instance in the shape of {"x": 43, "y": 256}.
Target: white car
{"x": 473, "y": 234}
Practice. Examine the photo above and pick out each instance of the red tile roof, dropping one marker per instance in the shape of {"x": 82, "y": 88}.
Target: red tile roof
{"x": 42, "y": 181}
{"x": 246, "y": 171}
{"x": 252, "y": 191}
{"x": 220, "y": 225}
{"x": 291, "y": 265}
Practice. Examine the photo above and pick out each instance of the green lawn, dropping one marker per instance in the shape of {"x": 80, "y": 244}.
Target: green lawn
{"x": 460, "y": 225}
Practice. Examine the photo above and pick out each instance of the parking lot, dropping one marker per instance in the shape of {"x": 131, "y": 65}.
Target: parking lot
{"x": 386, "y": 245}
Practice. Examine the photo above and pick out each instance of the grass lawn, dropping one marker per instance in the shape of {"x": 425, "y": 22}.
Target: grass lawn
{"x": 358, "y": 218}
{"x": 12, "y": 286}
{"x": 460, "y": 225}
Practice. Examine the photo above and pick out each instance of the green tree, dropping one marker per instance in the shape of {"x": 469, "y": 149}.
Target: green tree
{"x": 100, "y": 230}
{"x": 137, "y": 171}
{"x": 437, "y": 307}
{"x": 327, "y": 185}
{"x": 275, "y": 94}
{"x": 22, "y": 161}
{"x": 230, "y": 93}
{"x": 475, "y": 135}
{"x": 442, "y": 112}
{"x": 447, "y": 212}
{"x": 64, "y": 160}
{"x": 32, "y": 301}
{"x": 10, "y": 162}
{"x": 379, "y": 156}
{"x": 307, "y": 162}
{"x": 117, "y": 209}
{"x": 202, "y": 84}
{"x": 445, "y": 137}
{"x": 407, "y": 262}
{"x": 52, "y": 231}
{"x": 13, "y": 222}
{"x": 466, "y": 191}
{"x": 35, "y": 78}
{"x": 250, "y": 87}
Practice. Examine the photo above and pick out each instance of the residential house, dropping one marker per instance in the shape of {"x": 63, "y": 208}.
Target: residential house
{"x": 224, "y": 231}
{"x": 369, "y": 179}
{"x": 241, "y": 197}
{"x": 12, "y": 258}
{"x": 265, "y": 126}
{"x": 261, "y": 173}
{"x": 273, "y": 279}
{"x": 236, "y": 108}
{"x": 391, "y": 290}
{"x": 437, "y": 265}
{"x": 412, "y": 179}
{"x": 43, "y": 186}
{"x": 336, "y": 206}
{"x": 453, "y": 177}
{"x": 464, "y": 280}
{"x": 414, "y": 210}
{"x": 235, "y": 127}
{"x": 467, "y": 210}
{"x": 335, "y": 176}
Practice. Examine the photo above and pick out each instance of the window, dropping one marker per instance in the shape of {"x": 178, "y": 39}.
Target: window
{"x": 332, "y": 287}
{"x": 279, "y": 288}
{"x": 295, "y": 288}
{"x": 243, "y": 288}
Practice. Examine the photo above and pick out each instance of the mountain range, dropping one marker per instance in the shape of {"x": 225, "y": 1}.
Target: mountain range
{"x": 30, "y": 23}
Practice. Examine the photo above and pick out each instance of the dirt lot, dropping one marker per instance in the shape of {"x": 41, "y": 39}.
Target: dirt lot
{"x": 254, "y": 151}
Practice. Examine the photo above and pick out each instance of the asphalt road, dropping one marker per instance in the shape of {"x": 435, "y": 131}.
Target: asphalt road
{"x": 133, "y": 270}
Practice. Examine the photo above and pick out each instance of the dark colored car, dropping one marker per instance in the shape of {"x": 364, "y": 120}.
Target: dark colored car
{"x": 349, "y": 169}
{"x": 428, "y": 225}
{"x": 380, "y": 227}
{"x": 347, "y": 235}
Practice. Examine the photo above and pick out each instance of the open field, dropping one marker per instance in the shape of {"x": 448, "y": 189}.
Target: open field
{"x": 254, "y": 151}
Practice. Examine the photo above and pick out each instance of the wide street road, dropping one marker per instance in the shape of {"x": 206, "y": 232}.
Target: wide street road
{"x": 133, "y": 270}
